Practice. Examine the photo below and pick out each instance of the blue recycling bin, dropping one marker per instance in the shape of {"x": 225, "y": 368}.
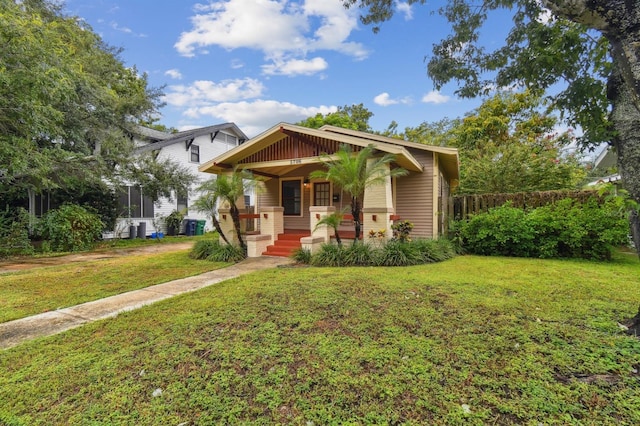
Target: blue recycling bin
{"x": 190, "y": 227}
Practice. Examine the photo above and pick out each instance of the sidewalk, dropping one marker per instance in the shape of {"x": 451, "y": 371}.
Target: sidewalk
{"x": 13, "y": 333}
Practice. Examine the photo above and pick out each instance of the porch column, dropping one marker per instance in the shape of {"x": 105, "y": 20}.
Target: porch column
{"x": 316, "y": 213}
{"x": 226, "y": 225}
{"x": 272, "y": 222}
{"x": 377, "y": 207}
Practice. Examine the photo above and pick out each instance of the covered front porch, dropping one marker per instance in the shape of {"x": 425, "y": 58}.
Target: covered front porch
{"x": 290, "y": 203}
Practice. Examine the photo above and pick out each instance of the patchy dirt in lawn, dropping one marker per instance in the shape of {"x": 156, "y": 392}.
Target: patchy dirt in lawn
{"x": 20, "y": 264}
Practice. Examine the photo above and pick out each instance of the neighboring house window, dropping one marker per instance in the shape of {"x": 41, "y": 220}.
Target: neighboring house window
{"x": 182, "y": 203}
{"x": 133, "y": 203}
{"x": 226, "y": 138}
{"x": 195, "y": 154}
{"x": 292, "y": 197}
{"x": 321, "y": 194}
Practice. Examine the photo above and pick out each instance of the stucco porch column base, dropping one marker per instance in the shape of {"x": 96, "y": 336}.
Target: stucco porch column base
{"x": 272, "y": 222}
{"x": 257, "y": 244}
{"x": 312, "y": 244}
{"x": 226, "y": 225}
{"x": 377, "y": 219}
{"x": 316, "y": 213}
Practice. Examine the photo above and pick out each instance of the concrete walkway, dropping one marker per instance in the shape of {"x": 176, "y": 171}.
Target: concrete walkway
{"x": 13, "y": 333}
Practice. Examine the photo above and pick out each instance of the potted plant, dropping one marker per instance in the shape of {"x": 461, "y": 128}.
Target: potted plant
{"x": 173, "y": 221}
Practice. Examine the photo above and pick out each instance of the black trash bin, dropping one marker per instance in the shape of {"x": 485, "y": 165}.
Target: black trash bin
{"x": 142, "y": 230}
{"x": 132, "y": 232}
{"x": 190, "y": 227}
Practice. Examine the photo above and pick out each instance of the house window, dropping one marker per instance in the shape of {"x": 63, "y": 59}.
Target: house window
{"x": 182, "y": 203}
{"x": 195, "y": 154}
{"x": 292, "y": 197}
{"x": 133, "y": 203}
{"x": 321, "y": 194}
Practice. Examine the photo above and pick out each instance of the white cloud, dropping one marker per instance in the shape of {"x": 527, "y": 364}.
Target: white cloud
{"x": 174, "y": 73}
{"x": 204, "y": 92}
{"x": 384, "y": 99}
{"x": 435, "y": 97}
{"x": 237, "y": 64}
{"x": 125, "y": 30}
{"x": 283, "y": 30}
{"x": 406, "y": 9}
{"x": 256, "y": 116}
{"x": 296, "y": 67}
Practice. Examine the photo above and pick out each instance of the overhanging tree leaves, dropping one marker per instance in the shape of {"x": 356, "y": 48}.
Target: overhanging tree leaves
{"x": 592, "y": 47}
{"x": 68, "y": 105}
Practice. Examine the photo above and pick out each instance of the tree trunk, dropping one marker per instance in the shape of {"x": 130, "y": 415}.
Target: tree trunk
{"x": 235, "y": 216}
{"x": 355, "y": 212}
{"x": 625, "y": 118}
{"x": 619, "y": 22}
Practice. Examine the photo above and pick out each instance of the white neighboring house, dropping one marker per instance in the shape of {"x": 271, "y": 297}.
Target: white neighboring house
{"x": 605, "y": 162}
{"x": 189, "y": 148}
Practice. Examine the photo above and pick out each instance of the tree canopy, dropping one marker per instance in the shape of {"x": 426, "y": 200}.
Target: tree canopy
{"x": 69, "y": 105}
{"x": 591, "y": 48}
{"x": 354, "y": 117}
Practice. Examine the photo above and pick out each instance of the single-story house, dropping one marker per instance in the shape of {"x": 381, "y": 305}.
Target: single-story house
{"x": 292, "y": 203}
{"x": 605, "y": 163}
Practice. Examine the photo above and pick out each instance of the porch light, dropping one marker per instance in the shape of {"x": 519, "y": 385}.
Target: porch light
{"x": 306, "y": 182}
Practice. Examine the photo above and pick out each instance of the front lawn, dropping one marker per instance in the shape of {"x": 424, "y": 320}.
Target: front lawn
{"x": 473, "y": 340}
{"x": 44, "y": 289}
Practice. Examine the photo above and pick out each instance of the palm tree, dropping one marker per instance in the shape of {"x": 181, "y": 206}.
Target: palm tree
{"x": 230, "y": 188}
{"x": 353, "y": 173}
{"x": 208, "y": 203}
{"x": 333, "y": 221}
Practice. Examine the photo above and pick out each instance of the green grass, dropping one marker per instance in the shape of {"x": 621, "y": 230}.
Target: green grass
{"x": 518, "y": 341}
{"x": 44, "y": 289}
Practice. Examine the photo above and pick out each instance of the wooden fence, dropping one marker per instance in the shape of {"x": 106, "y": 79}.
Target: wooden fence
{"x": 463, "y": 206}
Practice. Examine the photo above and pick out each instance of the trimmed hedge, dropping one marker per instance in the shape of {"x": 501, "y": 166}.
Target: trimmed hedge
{"x": 565, "y": 229}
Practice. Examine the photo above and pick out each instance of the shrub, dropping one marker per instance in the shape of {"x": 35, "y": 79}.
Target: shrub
{"x": 203, "y": 249}
{"x": 398, "y": 253}
{"x": 401, "y": 230}
{"x": 358, "y": 255}
{"x": 329, "y": 255}
{"x": 214, "y": 251}
{"x": 14, "y": 233}
{"x": 302, "y": 255}
{"x": 564, "y": 229}
{"x": 71, "y": 228}
{"x": 432, "y": 251}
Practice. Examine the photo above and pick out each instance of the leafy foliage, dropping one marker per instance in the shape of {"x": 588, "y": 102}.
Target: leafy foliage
{"x": 390, "y": 253}
{"x": 69, "y": 107}
{"x": 70, "y": 228}
{"x": 213, "y": 251}
{"x": 354, "y": 117}
{"x": 14, "y": 233}
{"x": 563, "y": 229}
{"x": 402, "y": 230}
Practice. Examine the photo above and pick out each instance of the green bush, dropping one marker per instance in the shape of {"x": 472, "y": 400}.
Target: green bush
{"x": 214, "y": 251}
{"x": 70, "y": 228}
{"x": 398, "y": 253}
{"x": 302, "y": 255}
{"x": 203, "y": 249}
{"x": 566, "y": 228}
{"x": 14, "y": 233}
{"x": 329, "y": 255}
{"x": 389, "y": 253}
{"x": 358, "y": 254}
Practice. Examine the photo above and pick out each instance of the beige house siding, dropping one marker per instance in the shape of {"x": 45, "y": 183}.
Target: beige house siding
{"x": 414, "y": 198}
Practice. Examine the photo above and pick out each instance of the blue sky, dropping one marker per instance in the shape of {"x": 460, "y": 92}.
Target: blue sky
{"x": 260, "y": 62}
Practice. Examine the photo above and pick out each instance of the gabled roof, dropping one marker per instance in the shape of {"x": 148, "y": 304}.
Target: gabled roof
{"x": 285, "y": 147}
{"x": 192, "y": 134}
